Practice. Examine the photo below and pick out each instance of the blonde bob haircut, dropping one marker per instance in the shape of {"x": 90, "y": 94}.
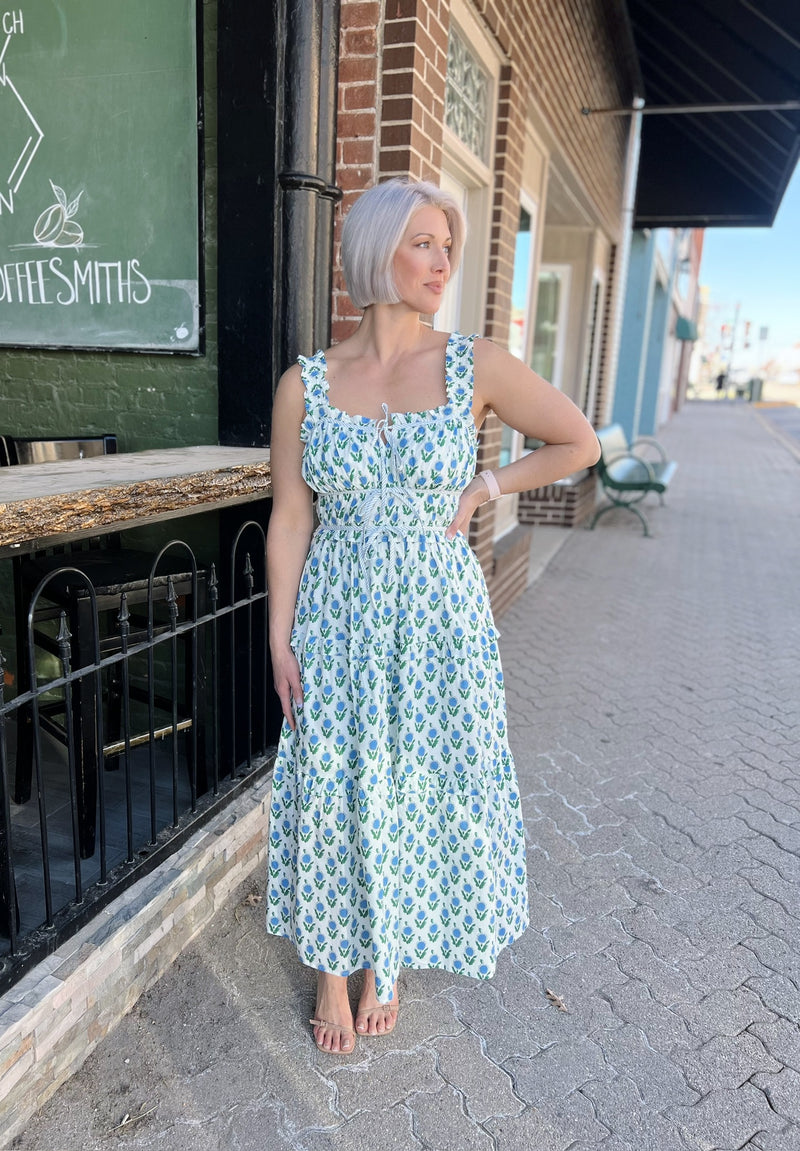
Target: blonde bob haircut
{"x": 374, "y": 227}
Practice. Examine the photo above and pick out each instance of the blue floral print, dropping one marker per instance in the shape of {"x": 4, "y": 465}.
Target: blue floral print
{"x": 396, "y": 837}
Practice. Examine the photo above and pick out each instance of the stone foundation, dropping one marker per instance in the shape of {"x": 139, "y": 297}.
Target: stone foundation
{"x": 52, "y": 1020}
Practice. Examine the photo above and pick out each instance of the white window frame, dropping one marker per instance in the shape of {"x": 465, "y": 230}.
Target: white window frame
{"x": 532, "y": 208}
{"x": 449, "y": 316}
{"x": 465, "y": 310}
{"x": 506, "y": 510}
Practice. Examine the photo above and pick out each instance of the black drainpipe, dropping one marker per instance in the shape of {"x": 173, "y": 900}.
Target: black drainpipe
{"x": 278, "y": 72}
{"x": 307, "y": 192}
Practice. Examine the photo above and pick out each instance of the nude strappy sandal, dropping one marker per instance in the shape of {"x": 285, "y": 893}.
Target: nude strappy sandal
{"x": 340, "y": 1027}
{"x": 395, "y": 1007}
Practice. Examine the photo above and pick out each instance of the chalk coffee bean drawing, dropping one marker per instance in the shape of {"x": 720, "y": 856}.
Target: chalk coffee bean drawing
{"x": 56, "y": 228}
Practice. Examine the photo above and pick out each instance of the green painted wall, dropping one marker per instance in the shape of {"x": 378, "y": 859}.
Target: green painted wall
{"x": 149, "y": 401}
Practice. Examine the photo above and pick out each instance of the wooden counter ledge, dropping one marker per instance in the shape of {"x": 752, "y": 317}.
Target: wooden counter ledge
{"x": 78, "y": 498}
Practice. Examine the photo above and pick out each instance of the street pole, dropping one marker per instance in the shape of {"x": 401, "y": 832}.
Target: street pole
{"x": 733, "y": 343}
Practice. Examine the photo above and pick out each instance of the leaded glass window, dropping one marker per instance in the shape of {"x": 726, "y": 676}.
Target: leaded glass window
{"x": 466, "y": 100}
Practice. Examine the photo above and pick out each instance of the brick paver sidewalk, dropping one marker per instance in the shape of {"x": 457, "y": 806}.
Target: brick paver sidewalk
{"x": 654, "y": 692}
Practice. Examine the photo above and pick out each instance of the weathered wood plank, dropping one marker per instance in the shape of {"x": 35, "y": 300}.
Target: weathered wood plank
{"x": 82, "y": 497}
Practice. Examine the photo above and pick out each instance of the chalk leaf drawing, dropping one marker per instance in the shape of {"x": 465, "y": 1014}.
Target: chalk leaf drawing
{"x": 56, "y": 228}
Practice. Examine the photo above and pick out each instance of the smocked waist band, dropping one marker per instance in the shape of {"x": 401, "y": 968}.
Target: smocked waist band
{"x": 387, "y": 509}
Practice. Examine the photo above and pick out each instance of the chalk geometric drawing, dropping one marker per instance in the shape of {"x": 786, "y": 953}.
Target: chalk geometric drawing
{"x": 21, "y": 135}
{"x": 56, "y": 228}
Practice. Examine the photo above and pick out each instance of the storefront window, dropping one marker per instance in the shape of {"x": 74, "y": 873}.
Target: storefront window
{"x": 521, "y": 293}
{"x": 546, "y": 332}
{"x": 521, "y": 286}
{"x": 518, "y": 342}
{"x": 473, "y": 70}
{"x": 549, "y": 328}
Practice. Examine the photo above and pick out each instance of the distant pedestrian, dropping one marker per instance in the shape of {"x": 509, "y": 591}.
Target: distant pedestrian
{"x": 722, "y": 381}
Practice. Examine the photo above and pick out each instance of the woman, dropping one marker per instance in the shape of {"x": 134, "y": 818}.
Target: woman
{"x": 395, "y": 835}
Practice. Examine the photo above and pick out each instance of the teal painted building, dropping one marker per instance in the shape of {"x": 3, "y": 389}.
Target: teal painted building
{"x": 657, "y": 328}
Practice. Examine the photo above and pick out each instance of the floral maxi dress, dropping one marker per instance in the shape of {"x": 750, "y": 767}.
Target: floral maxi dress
{"x": 396, "y": 838}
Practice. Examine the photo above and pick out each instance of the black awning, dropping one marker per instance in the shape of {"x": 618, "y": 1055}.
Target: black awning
{"x": 720, "y": 168}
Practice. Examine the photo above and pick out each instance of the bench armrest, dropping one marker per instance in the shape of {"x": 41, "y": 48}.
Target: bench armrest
{"x": 651, "y": 442}
{"x": 646, "y": 464}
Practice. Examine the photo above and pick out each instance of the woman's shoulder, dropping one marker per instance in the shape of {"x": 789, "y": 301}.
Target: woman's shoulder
{"x": 291, "y": 377}
{"x": 289, "y": 402}
{"x": 291, "y": 385}
{"x": 489, "y": 354}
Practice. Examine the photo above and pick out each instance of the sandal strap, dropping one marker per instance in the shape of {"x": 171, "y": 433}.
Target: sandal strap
{"x": 337, "y": 1026}
{"x": 378, "y": 1007}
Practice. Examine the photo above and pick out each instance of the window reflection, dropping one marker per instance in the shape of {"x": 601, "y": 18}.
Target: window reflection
{"x": 545, "y": 334}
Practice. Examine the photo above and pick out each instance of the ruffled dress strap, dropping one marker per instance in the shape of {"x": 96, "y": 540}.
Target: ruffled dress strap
{"x": 460, "y": 372}
{"x": 314, "y": 374}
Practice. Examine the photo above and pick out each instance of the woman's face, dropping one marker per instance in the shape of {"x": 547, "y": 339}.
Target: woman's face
{"x": 421, "y": 266}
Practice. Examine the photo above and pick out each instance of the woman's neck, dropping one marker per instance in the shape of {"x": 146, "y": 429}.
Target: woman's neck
{"x": 388, "y": 332}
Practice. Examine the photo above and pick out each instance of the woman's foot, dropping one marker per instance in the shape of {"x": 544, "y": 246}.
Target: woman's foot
{"x": 333, "y": 1019}
{"x": 372, "y": 1017}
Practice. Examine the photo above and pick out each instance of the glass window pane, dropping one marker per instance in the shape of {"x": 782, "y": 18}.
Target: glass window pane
{"x": 520, "y": 286}
{"x": 545, "y": 332}
{"x": 520, "y": 308}
{"x": 466, "y": 98}
{"x": 545, "y": 335}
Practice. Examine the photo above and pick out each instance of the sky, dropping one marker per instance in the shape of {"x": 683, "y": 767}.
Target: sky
{"x": 758, "y": 268}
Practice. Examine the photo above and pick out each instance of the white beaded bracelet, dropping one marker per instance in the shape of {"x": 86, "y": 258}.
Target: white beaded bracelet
{"x": 491, "y": 483}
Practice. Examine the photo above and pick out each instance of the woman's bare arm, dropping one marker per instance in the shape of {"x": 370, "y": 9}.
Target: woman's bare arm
{"x": 288, "y": 535}
{"x": 527, "y": 403}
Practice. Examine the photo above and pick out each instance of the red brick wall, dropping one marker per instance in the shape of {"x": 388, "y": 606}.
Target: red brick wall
{"x": 414, "y": 70}
{"x": 392, "y": 67}
{"x": 559, "y": 56}
{"x": 360, "y": 44}
{"x": 510, "y": 143}
{"x": 565, "y": 505}
{"x": 565, "y": 54}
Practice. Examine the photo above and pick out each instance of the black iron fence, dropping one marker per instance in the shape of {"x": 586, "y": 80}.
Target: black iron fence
{"x": 144, "y": 707}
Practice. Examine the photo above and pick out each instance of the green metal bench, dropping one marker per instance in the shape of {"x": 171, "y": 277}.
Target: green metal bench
{"x": 627, "y": 476}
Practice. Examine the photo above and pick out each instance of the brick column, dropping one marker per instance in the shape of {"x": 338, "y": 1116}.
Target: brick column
{"x": 357, "y": 131}
{"x": 505, "y": 221}
{"x": 414, "y": 70}
{"x": 391, "y": 106}
{"x": 505, "y": 216}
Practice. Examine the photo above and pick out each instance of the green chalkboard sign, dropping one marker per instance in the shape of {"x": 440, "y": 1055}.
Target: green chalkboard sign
{"x": 99, "y": 203}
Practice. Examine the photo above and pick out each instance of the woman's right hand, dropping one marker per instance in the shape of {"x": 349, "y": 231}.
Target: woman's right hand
{"x": 288, "y": 683}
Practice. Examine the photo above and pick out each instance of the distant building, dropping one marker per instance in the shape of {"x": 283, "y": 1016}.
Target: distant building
{"x": 659, "y": 328}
